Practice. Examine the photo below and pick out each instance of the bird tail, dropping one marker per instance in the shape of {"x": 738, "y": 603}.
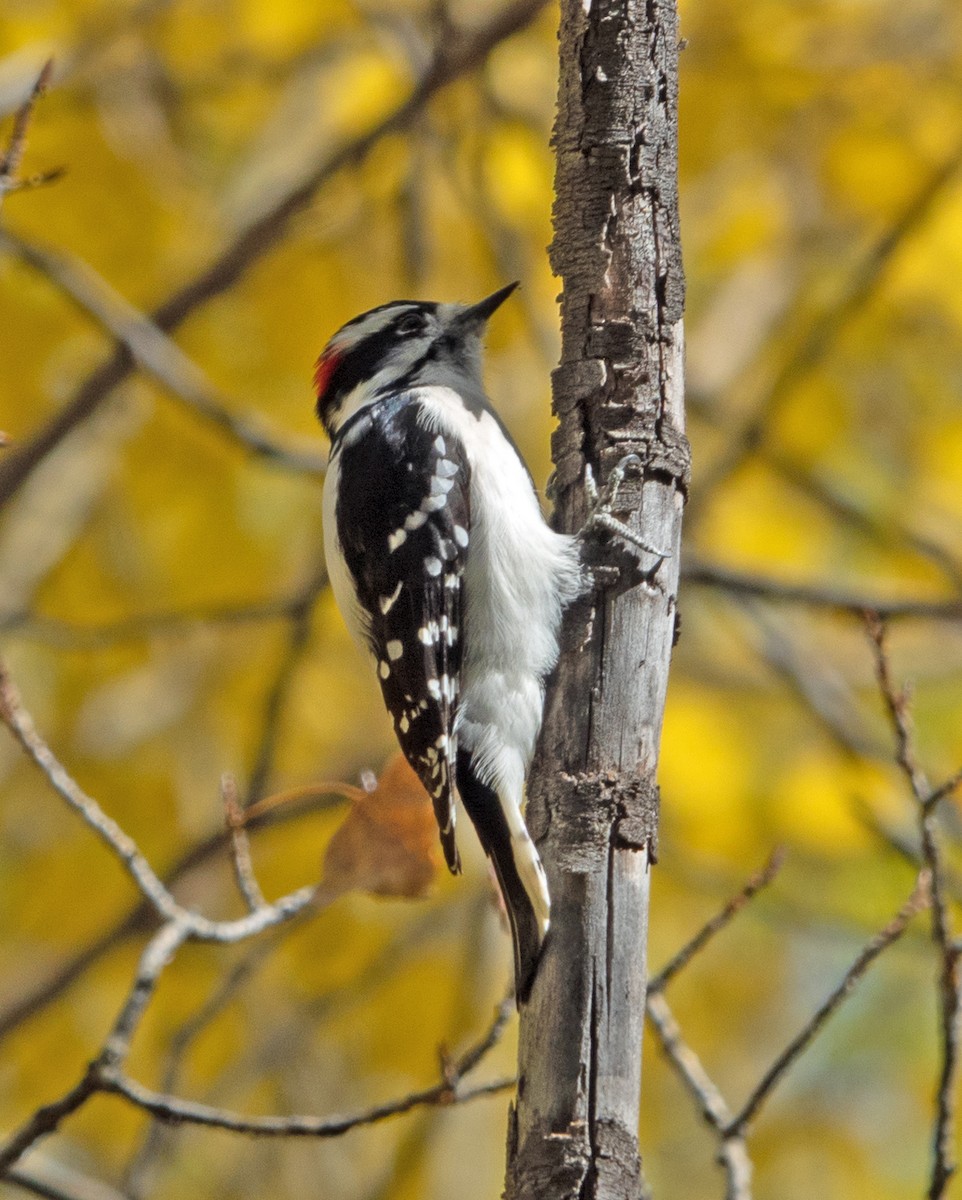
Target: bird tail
{"x": 507, "y": 843}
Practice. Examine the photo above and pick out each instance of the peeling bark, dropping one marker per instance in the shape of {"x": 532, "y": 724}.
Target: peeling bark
{"x": 593, "y": 801}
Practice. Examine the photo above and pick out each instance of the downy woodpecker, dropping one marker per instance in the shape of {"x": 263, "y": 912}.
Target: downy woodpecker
{"x": 446, "y": 572}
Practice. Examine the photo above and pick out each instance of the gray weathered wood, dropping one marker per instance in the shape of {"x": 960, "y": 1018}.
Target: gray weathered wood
{"x": 592, "y": 796}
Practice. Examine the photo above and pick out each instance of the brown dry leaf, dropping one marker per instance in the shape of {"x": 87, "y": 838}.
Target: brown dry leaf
{"x": 388, "y": 843}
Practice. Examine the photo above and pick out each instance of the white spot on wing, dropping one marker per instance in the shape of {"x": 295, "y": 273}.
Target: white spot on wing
{"x": 395, "y": 539}
{"x": 394, "y": 649}
{"x": 432, "y": 565}
{"x": 460, "y": 535}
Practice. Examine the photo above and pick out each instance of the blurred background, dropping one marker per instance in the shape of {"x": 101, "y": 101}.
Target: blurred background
{"x": 162, "y": 609}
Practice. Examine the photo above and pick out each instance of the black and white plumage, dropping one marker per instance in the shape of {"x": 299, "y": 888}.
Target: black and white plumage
{"x": 446, "y": 571}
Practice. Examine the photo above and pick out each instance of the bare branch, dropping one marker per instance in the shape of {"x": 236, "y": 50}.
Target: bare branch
{"x": 731, "y": 1130}
{"x": 12, "y": 158}
{"x": 298, "y": 640}
{"x": 896, "y": 700}
{"x": 942, "y": 791}
{"x": 54, "y": 1181}
{"x": 139, "y": 917}
{"x": 919, "y": 899}
{"x": 157, "y": 954}
{"x": 20, "y": 724}
{"x": 447, "y": 1090}
{"x": 47, "y": 1119}
{"x": 240, "y": 844}
{"x": 152, "y": 1147}
{"x": 474, "y": 1054}
{"x": 456, "y": 58}
{"x": 105, "y": 1074}
{"x": 296, "y": 607}
{"x": 169, "y": 1108}
{"x": 760, "y": 880}
{"x": 732, "y": 1152}
{"x": 897, "y": 703}
{"x": 829, "y": 595}
{"x": 886, "y": 530}
{"x": 825, "y": 331}
{"x": 157, "y": 354}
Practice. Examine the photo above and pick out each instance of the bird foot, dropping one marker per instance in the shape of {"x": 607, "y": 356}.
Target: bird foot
{"x": 601, "y": 506}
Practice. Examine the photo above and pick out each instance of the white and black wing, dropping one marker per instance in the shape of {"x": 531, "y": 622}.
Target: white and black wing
{"x": 402, "y": 515}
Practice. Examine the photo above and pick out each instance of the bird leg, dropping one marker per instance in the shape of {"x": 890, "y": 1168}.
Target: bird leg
{"x": 601, "y": 505}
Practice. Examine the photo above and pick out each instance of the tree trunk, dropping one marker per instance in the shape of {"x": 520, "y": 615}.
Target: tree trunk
{"x": 593, "y": 802}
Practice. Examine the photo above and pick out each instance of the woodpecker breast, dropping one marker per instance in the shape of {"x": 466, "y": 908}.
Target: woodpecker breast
{"x": 447, "y": 574}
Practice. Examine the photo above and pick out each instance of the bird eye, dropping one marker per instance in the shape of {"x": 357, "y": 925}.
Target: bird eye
{"x": 412, "y": 323}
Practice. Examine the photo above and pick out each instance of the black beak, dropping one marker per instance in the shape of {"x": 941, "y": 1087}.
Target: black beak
{"x": 475, "y": 316}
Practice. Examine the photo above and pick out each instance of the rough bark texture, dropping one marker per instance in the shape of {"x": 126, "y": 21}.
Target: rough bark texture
{"x": 593, "y": 801}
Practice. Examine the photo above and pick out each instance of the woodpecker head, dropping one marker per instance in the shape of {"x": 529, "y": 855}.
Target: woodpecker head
{"x": 404, "y": 344}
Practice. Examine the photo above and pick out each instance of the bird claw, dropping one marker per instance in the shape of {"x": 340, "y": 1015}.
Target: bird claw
{"x": 601, "y": 505}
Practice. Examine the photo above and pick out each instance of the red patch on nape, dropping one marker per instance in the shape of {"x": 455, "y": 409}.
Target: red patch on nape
{"x": 324, "y": 368}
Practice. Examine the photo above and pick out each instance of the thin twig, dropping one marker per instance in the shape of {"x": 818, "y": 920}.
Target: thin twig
{"x": 896, "y": 700}
{"x": 70, "y": 636}
{"x": 827, "y": 595}
{"x": 474, "y": 1054}
{"x": 240, "y": 844}
{"x": 105, "y": 1074}
{"x": 12, "y": 158}
{"x": 761, "y": 879}
{"x": 453, "y": 60}
{"x": 157, "y": 954}
{"x": 19, "y": 722}
{"x": 942, "y": 791}
{"x": 919, "y": 899}
{"x": 153, "y": 1144}
{"x": 54, "y": 1181}
{"x": 157, "y": 354}
{"x": 447, "y": 1090}
{"x": 172, "y": 1109}
{"x": 732, "y": 1151}
{"x": 140, "y": 916}
{"x": 47, "y": 1119}
{"x": 886, "y": 530}
{"x": 897, "y": 703}
{"x": 285, "y": 673}
{"x": 824, "y": 333}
